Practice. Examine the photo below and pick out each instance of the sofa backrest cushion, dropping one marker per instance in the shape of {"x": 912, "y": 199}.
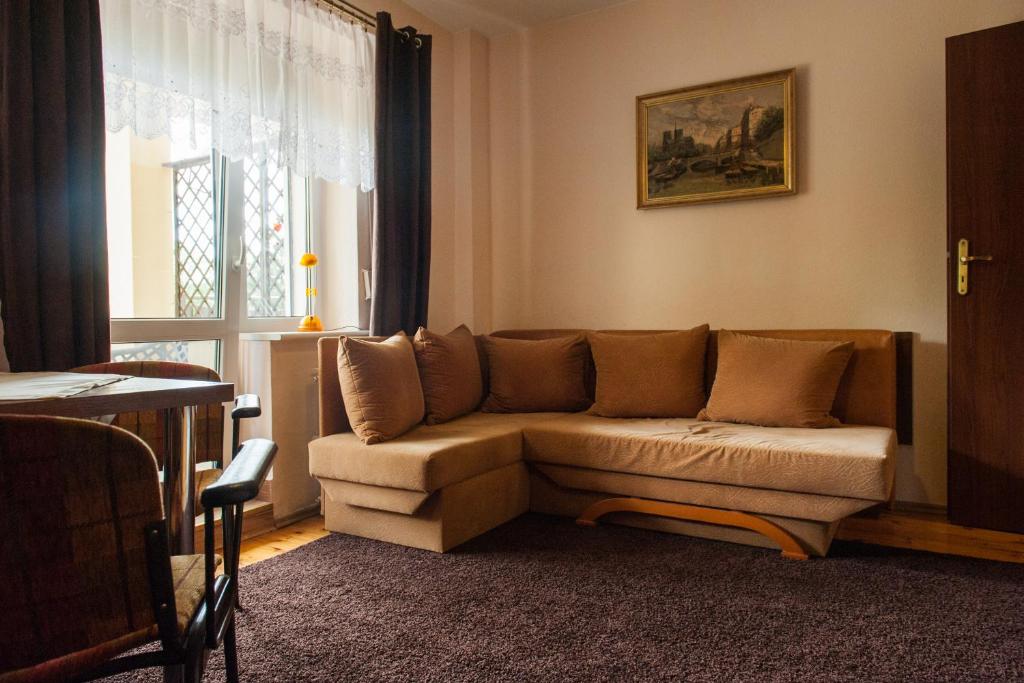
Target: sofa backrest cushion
{"x": 776, "y": 382}
{"x": 380, "y": 386}
{"x": 650, "y": 375}
{"x": 866, "y": 394}
{"x": 449, "y": 373}
{"x": 867, "y": 391}
{"x": 540, "y": 375}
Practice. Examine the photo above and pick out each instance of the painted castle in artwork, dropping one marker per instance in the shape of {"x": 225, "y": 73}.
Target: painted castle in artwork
{"x": 747, "y": 154}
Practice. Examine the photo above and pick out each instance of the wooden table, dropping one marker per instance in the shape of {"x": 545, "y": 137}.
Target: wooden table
{"x": 178, "y": 398}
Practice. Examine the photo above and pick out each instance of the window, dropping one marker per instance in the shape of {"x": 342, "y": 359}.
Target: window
{"x": 199, "y": 352}
{"x": 203, "y": 249}
{"x": 196, "y": 244}
{"x": 276, "y": 235}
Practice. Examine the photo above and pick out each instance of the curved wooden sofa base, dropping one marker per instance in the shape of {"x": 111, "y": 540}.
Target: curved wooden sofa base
{"x": 791, "y": 548}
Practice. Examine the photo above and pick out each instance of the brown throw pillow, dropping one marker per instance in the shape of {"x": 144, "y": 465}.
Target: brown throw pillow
{"x": 449, "y": 373}
{"x": 380, "y": 386}
{"x": 776, "y": 382}
{"x": 649, "y": 375}
{"x": 536, "y": 375}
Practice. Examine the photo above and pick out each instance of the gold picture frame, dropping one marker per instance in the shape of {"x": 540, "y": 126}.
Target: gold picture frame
{"x": 716, "y": 142}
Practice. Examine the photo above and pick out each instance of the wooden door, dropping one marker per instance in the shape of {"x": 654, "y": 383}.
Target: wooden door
{"x": 985, "y": 185}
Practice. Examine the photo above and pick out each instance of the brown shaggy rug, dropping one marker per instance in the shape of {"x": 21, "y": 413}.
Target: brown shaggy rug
{"x": 541, "y": 599}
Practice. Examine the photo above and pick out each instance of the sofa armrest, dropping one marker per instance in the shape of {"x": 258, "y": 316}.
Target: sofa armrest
{"x": 332, "y": 416}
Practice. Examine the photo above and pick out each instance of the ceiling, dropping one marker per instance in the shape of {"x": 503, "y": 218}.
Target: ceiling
{"x": 494, "y": 17}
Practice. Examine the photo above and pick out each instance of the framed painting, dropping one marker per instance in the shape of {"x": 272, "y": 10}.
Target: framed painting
{"x": 718, "y": 141}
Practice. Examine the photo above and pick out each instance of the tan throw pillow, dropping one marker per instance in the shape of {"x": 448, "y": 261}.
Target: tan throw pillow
{"x": 776, "y": 382}
{"x": 380, "y": 386}
{"x": 536, "y": 375}
{"x": 649, "y": 375}
{"x": 449, "y": 373}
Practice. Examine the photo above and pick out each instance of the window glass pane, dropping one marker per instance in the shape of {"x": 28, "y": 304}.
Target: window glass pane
{"x": 275, "y": 237}
{"x": 197, "y": 272}
{"x": 205, "y": 352}
{"x": 163, "y": 239}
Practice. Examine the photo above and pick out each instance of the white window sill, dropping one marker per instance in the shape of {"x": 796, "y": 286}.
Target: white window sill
{"x": 295, "y": 334}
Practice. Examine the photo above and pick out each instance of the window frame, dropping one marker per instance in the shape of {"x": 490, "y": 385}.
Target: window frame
{"x": 234, "y": 320}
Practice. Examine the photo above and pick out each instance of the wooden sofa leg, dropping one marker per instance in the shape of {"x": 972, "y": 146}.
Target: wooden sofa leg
{"x": 791, "y": 548}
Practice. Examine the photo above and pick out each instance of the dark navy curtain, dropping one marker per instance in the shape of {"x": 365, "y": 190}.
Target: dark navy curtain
{"x": 401, "y": 234}
{"x": 54, "y": 296}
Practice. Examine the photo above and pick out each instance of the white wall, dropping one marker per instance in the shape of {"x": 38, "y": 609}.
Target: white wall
{"x": 472, "y": 224}
{"x": 140, "y": 226}
{"x": 338, "y": 297}
{"x": 861, "y": 245}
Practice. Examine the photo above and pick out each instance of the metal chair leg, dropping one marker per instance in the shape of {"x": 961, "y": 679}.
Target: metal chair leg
{"x": 230, "y": 654}
{"x": 192, "y": 674}
{"x": 174, "y": 673}
{"x": 237, "y": 540}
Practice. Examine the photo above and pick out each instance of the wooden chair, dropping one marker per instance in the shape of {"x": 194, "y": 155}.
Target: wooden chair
{"x": 149, "y": 425}
{"x": 85, "y": 571}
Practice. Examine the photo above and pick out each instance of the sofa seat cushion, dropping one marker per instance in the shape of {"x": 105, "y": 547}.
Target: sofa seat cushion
{"x": 429, "y": 457}
{"x": 848, "y": 461}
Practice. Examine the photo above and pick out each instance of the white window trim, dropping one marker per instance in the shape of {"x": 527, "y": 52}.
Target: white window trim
{"x": 235, "y": 321}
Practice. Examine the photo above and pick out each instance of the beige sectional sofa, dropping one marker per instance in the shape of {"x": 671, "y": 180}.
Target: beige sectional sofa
{"x": 438, "y": 486}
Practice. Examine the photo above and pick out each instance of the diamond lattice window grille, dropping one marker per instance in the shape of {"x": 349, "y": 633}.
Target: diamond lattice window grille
{"x": 267, "y": 240}
{"x": 168, "y": 350}
{"x": 196, "y": 244}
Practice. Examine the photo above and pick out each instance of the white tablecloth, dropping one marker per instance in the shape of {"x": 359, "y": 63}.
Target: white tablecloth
{"x": 27, "y": 386}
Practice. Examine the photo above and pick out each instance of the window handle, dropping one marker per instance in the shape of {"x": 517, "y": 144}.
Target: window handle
{"x": 239, "y": 261}
{"x": 367, "y": 285}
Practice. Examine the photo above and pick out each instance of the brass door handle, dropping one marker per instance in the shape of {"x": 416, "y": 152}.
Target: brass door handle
{"x": 964, "y": 260}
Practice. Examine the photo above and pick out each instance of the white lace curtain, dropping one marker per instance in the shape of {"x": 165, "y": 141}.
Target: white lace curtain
{"x": 277, "y": 80}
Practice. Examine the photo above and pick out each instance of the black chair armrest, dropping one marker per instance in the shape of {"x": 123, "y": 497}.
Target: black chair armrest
{"x": 246, "y": 405}
{"x": 242, "y": 479}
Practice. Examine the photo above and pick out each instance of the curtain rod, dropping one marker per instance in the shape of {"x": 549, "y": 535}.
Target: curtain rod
{"x": 360, "y": 15}
{"x": 351, "y": 11}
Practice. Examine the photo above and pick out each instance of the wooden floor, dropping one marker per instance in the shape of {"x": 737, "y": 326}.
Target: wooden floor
{"x": 931, "y": 531}
{"x": 259, "y": 520}
{"x": 282, "y": 540}
{"x": 915, "y": 530}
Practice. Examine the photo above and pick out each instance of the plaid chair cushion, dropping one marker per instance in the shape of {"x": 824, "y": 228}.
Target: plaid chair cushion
{"x": 189, "y": 573}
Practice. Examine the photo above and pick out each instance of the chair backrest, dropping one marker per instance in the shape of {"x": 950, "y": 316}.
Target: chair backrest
{"x": 149, "y": 425}
{"x": 74, "y": 585}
